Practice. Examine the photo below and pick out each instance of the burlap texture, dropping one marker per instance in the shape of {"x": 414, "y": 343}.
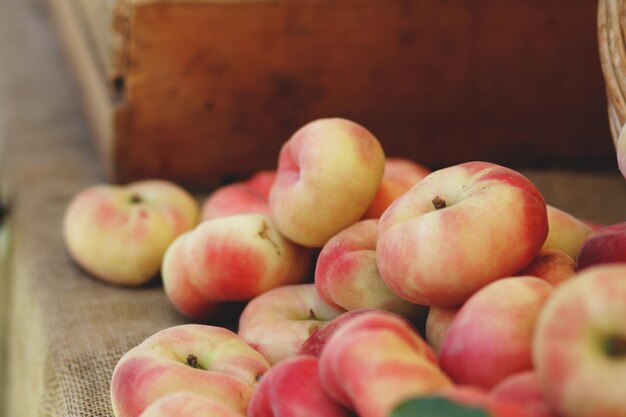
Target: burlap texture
{"x": 66, "y": 330}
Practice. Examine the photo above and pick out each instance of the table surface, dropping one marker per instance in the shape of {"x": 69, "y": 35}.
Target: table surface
{"x": 66, "y": 331}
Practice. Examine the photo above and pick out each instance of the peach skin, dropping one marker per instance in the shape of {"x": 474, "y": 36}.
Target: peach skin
{"x": 205, "y": 360}
{"x": 523, "y": 389}
{"x": 250, "y": 196}
{"x": 377, "y": 360}
{"x": 232, "y": 258}
{"x": 314, "y": 344}
{"x": 491, "y": 336}
{"x": 551, "y": 265}
{"x": 346, "y": 275}
{"x": 457, "y": 230}
{"x": 120, "y": 233}
{"x": 278, "y": 322}
{"x": 328, "y": 174}
{"x": 438, "y": 322}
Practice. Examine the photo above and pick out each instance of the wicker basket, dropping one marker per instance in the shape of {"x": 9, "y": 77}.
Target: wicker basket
{"x": 612, "y": 45}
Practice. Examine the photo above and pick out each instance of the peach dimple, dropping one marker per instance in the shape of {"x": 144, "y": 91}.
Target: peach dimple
{"x": 120, "y": 233}
{"x": 292, "y": 388}
{"x": 492, "y": 224}
{"x": 205, "y": 360}
{"x": 279, "y": 321}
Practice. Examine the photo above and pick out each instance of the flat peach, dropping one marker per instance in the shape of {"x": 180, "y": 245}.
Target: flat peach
{"x": 566, "y": 232}
{"x": 205, "y": 360}
{"x": 119, "y": 234}
{"x": 277, "y": 322}
{"x": 328, "y": 174}
{"x": 579, "y": 346}
{"x": 551, "y": 265}
{"x": 293, "y": 389}
{"x": 377, "y": 360}
{"x": 491, "y": 336}
{"x": 457, "y": 230}
{"x": 231, "y": 258}
{"x": 605, "y": 245}
{"x": 346, "y": 274}
{"x": 188, "y": 404}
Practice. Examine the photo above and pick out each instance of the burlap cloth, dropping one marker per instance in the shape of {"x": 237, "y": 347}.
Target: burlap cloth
{"x": 67, "y": 331}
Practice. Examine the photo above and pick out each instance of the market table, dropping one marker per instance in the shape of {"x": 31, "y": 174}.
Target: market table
{"x": 64, "y": 330}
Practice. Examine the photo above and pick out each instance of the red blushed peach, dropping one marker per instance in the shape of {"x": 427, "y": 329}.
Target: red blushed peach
{"x": 399, "y": 176}
{"x": 523, "y": 389}
{"x": 605, "y": 245}
{"x": 566, "y": 232}
{"x": 278, "y": 322}
{"x": 346, "y": 275}
{"x": 293, "y": 389}
{"x": 314, "y": 344}
{"x": 437, "y": 324}
{"x": 251, "y": 196}
{"x": 206, "y": 360}
{"x": 377, "y": 360}
{"x": 490, "y": 337}
{"x": 457, "y": 230}
{"x": 232, "y": 258}
{"x": 579, "y": 346}
{"x": 551, "y": 265}
{"x": 189, "y": 405}
{"x": 120, "y": 233}
{"x": 328, "y": 174}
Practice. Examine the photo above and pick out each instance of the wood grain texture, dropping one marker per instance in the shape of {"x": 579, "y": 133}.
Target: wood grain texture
{"x": 213, "y": 88}
{"x": 97, "y": 96}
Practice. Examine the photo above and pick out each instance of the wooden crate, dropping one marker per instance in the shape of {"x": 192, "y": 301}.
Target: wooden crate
{"x": 201, "y": 89}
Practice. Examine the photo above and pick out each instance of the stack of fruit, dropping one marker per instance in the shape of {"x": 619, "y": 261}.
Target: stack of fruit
{"x": 452, "y": 293}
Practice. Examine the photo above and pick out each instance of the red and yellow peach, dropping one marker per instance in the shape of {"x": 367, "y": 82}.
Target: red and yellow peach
{"x": 328, "y": 174}
{"x": 120, "y": 233}
{"x": 491, "y": 336}
{"x": 205, "y": 360}
{"x": 457, "y": 230}
{"x": 232, "y": 258}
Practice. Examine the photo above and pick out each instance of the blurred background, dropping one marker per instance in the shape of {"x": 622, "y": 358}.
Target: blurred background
{"x": 197, "y": 91}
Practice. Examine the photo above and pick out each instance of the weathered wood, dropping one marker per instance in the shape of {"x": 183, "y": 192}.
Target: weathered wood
{"x": 209, "y": 88}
